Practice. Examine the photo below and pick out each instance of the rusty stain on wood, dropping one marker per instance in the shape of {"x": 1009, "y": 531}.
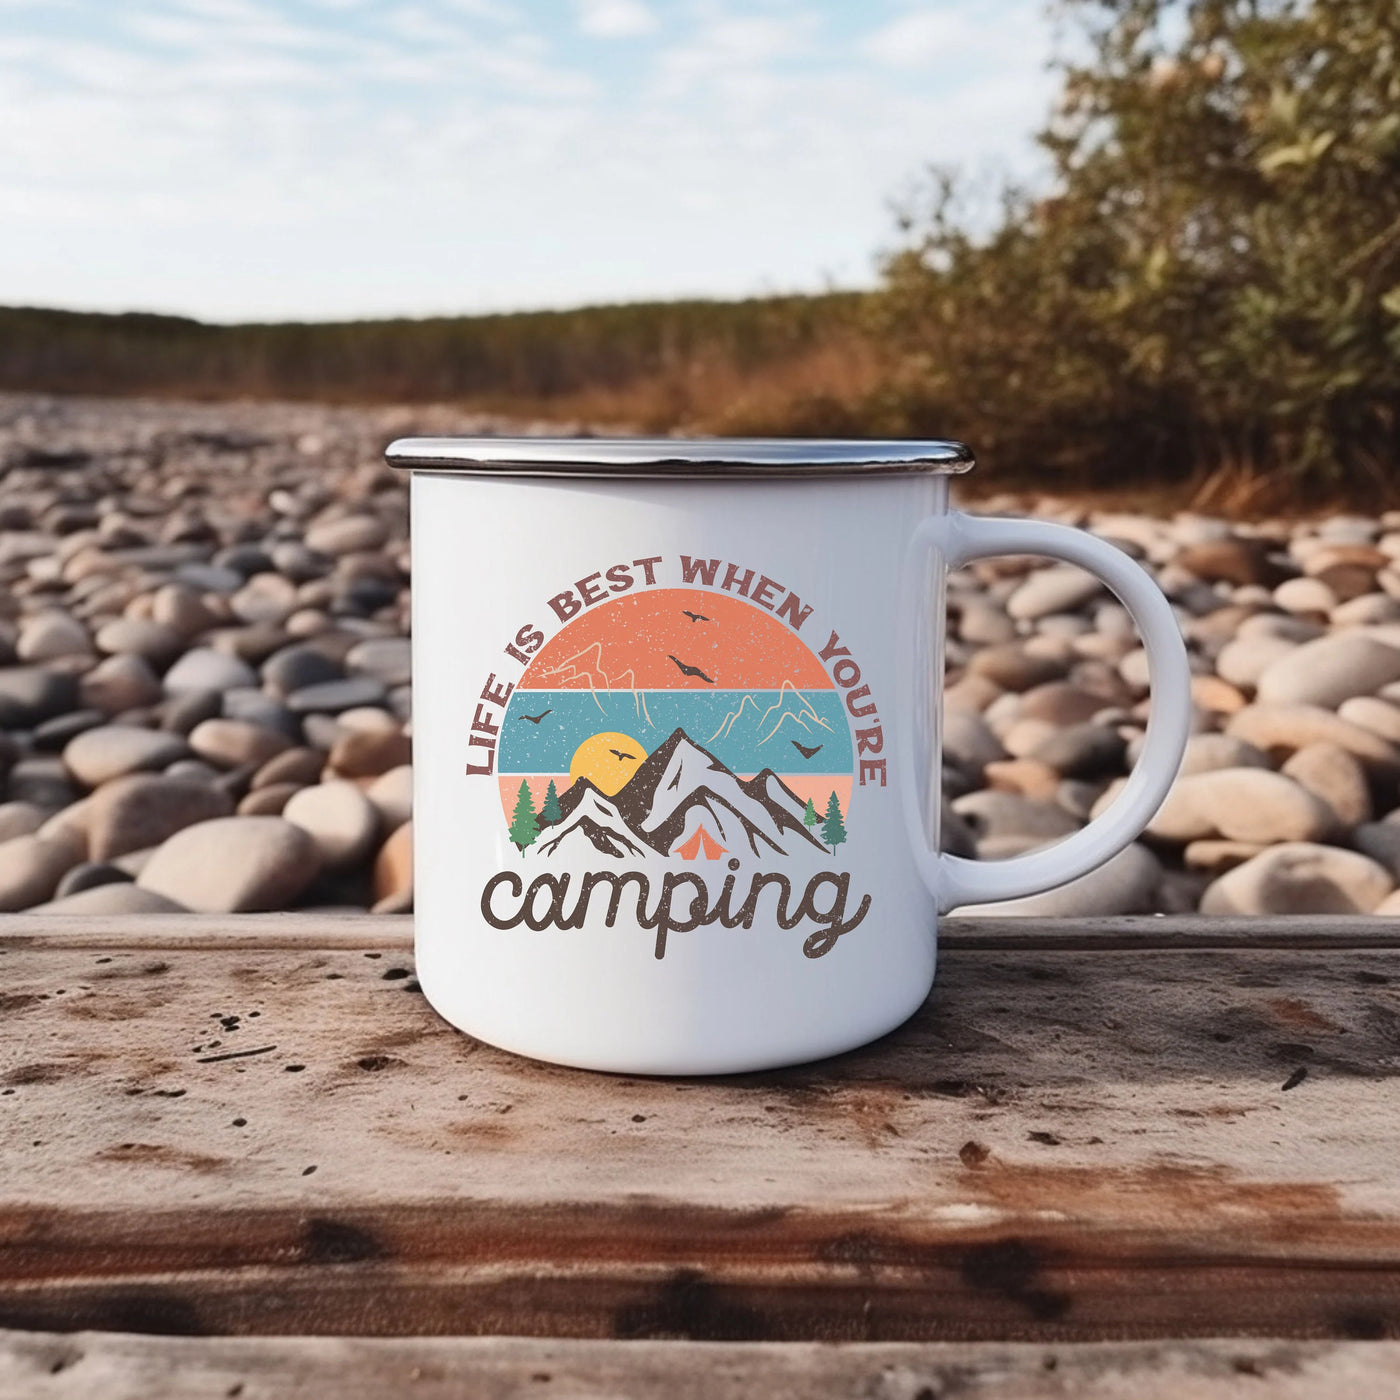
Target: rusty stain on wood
{"x": 1057, "y": 1146}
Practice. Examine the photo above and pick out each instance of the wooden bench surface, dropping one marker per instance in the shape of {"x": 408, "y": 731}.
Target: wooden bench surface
{"x": 1092, "y": 1131}
{"x": 81, "y": 1366}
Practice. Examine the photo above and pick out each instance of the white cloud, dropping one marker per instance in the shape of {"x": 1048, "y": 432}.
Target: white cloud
{"x": 615, "y": 19}
{"x": 920, "y": 38}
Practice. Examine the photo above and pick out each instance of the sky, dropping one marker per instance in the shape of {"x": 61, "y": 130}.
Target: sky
{"x": 324, "y": 159}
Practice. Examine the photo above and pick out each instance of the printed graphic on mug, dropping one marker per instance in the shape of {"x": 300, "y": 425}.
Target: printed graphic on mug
{"x": 679, "y": 723}
{"x": 679, "y": 756}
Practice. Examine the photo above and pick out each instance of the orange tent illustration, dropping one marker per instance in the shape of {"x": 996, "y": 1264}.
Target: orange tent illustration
{"x": 691, "y": 849}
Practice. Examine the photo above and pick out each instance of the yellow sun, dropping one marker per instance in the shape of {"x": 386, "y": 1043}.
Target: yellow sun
{"x": 607, "y": 761}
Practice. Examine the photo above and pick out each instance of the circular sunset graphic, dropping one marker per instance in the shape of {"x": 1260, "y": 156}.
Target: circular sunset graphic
{"x": 675, "y": 723}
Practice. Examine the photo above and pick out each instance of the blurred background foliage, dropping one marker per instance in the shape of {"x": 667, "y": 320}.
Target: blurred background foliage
{"x": 1204, "y": 297}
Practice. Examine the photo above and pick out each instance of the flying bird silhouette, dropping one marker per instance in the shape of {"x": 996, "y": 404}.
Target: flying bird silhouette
{"x": 694, "y": 617}
{"x": 535, "y": 719}
{"x": 690, "y": 670}
{"x": 620, "y": 754}
{"x": 805, "y": 751}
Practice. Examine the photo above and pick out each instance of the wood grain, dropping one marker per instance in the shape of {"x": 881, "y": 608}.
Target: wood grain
{"x": 37, "y": 1366}
{"x": 341, "y": 930}
{"x": 285, "y": 1139}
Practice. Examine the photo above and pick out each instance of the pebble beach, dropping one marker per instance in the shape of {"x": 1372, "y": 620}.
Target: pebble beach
{"x": 205, "y": 698}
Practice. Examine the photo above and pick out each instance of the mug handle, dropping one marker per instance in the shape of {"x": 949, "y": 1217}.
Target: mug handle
{"x": 954, "y": 880}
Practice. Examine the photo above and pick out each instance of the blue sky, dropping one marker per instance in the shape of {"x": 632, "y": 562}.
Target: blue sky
{"x": 240, "y": 159}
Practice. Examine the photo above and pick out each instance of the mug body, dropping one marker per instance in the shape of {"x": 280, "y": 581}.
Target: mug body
{"x": 667, "y": 736}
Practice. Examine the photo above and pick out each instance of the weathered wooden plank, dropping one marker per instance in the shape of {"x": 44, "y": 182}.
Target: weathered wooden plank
{"x": 288, "y": 1140}
{"x": 39, "y": 1366}
{"x": 395, "y": 931}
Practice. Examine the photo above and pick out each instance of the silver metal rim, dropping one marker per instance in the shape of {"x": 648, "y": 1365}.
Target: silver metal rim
{"x": 677, "y": 459}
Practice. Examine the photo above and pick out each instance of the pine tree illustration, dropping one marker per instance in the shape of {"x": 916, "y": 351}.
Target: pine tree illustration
{"x": 524, "y": 825}
{"x": 833, "y": 830}
{"x": 811, "y": 816}
{"x": 550, "y": 811}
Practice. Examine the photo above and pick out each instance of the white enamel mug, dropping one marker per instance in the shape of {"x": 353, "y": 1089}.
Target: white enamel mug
{"x": 677, "y": 741}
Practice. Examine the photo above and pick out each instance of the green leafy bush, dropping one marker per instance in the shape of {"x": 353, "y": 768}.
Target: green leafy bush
{"x": 1210, "y": 291}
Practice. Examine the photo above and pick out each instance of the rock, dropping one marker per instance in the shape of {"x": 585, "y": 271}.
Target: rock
{"x": 209, "y": 578}
{"x": 296, "y": 667}
{"x": 1059, "y": 588}
{"x": 369, "y": 719}
{"x": 20, "y": 819}
{"x": 1334, "y": 776}
{"x": 1081, "y": 751}
{"x": 1024, "y": 737}
{"x": 268, "y": 801}
{"x": 1369, "y": 610}
{"x": 253, "y": 643}
{"x": 339, "y": 818}
{"x": 1241, "y": 804}
{"x": 393, "y": 871}
{"x": 30, "y": 869}
{"x": 1276, "y": 625}
{"x": 1379, "y": 716}
{"x": 134, "y": 862}
{"x": 140, "y": 811}
{"x": 1012, "y": 667}
{"x": 1133, "y": 668}
{"x": 50, "y": 635}
{"x": 1124, "y": 884}
{"x": 967, "y": 740}
{"x": 207, "y": 669}
{"x": 368, "y": 753}
{"x": 1243, "y": 661}
{"x": 1216, "y": 695}
{"x": 1283, "y": 729}
{"x": 321, "y": 731}
{"x": 1300, "y": 878}
{"x": 1330, "y": 670}
{"x": 392, "y": 797}
{"x": 231, "y": 743}
{"x": 112, "y": 899}
{"x": 234, "y": 865}
{"x": 1217, "y": 857}
{"x": 1061, "y": 702}
{"x": 348, "y": 535}
{"x": 1305, "y": 595}
{"x": 114, "y": 750}
{"x": 182, "y": 712}
{"x": 1026, "y": 776}
{"x": 29, "y": 695}
{"x": 1380, "y": 841}
{"x": 388, "y": 659}
{"x": 152, "y": 640}
{"x": 256, "y": 707}
{"x": 330, "y": 697}
{"x": 1229, "y": 561}
{"x": 54, "y": 734}
{"x": 971, "y": 693}
{"x": 120, "y": 683}
{"x": 1002, "y": 814}
{"x": 301, "y": 766}
{"x": 295, "y": 561}
{"x": 43, "y": 781}
{"x": 89, "y": 876}
{"x": 180, "y": 608}
{"x": 265, "y": 598}
{"x": 979, "y": 622}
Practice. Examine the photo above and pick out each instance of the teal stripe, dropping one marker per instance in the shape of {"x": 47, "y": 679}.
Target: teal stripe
{"x": 743, "y": 729}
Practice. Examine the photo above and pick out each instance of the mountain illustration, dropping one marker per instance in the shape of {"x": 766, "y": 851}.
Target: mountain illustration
{"x": 679, "y": 792}
{"x": 765, "y": 721}
{"x": 587, "y": 818}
